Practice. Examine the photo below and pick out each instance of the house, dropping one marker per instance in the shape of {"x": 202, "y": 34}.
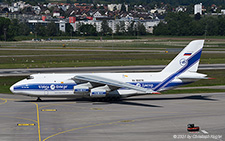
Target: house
{"x": 149, "y": 24}
{"x": 113, "y": 7}
{"x": 158, "y": 10}
{"x": 97, "y": 14}
{"x": 198, "y": 8}
{"x": 56, "y": 14}
{"x": 223, "y": 11}
{"x": 181, "y": 9}
{"x": 37, "y": 9}
{"x": 214, "y": 8}
{"x": 62, "y": 26}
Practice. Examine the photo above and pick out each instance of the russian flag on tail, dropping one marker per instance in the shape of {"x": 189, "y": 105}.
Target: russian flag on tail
{"x": 187, "y": 54}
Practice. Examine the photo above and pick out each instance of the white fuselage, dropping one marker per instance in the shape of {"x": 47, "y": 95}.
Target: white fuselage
{"x": 62, "y": 85}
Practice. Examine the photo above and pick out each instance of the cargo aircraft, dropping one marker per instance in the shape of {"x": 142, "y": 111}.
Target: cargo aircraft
{"x": 180, "y": 71}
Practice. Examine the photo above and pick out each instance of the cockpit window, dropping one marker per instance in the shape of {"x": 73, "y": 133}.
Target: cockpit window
{"x": 30, "y": 77}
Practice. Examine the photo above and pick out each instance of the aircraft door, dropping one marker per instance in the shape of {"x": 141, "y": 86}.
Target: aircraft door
{"x": 46, "y": 92}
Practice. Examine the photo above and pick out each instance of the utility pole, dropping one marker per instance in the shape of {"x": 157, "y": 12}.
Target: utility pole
{"x": 5, "y": 33}
{"x": 112, "y": 41}
{"x": 206, "y": 31}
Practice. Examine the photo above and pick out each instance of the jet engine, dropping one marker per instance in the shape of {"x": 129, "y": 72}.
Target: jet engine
{"x": 82, "y": 88}
{"x": 100, "y": 91}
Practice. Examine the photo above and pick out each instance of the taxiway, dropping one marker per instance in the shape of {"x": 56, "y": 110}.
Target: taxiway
{"x": 152, "y": 117}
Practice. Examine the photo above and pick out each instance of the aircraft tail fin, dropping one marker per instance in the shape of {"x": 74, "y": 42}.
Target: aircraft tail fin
{"x": 187, "y": 59}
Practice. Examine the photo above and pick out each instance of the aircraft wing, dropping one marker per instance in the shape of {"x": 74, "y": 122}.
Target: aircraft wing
{"x": 111, "y": 82}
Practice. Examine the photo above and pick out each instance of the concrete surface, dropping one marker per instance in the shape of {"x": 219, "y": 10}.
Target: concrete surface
{"x": 143, "y": 118}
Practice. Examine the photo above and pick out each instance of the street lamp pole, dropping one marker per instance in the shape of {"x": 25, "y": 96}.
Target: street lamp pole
{"x": 5, "y": 33}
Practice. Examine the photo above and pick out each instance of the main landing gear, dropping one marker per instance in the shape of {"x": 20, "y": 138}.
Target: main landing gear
{"x": 38, "y": 99}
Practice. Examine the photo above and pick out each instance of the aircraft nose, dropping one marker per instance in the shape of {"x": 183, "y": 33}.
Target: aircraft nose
{"x": 12, "y": 88}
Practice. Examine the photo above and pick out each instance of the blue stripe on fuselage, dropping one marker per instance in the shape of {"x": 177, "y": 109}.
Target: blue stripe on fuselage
{"x": 69, "y": 87}
{"x": 191, "y": 61}
{"x": 51, "y": 87}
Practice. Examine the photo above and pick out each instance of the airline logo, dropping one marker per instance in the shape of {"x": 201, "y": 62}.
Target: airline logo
{"x": 183, "y": 62}
{"x": 187, "y": 54}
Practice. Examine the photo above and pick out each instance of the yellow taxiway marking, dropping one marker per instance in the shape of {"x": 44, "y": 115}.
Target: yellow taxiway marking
{"x": 96, "y": 109}
{"x": 48, "y": 110}
{"x": 20, "y": 118}
{"x": 5, "y": 101}
{"x": 127, "y": 121}
{"x": 114, "y": 123}
{"x": 85, "y": 127}
{"x": 13, "y": 99}
{"x": 25, "y": 124}
{"x": 38, "y": 121}
{"x": 63, "y": 104}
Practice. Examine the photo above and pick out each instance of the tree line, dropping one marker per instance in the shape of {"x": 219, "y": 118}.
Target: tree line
{"x": 11, "y": 28}
{"x": 174, "y": 24}
{"x": 182, "y": 24}
{"x": 133, "y": 2}
{"x": 134, "y": 29}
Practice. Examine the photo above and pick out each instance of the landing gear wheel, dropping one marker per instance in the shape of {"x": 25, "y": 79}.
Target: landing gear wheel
{"x": 38, "y": 99}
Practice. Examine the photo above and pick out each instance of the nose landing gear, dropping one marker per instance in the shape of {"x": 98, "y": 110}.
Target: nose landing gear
{"x": 39, "y": 99}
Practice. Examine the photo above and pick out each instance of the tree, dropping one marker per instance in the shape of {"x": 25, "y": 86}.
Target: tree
{"x": 197, "y": 16}
{"x": 197, "y": 28}
{"x": 105, "y": 29}
{"x": 40, "y": 30}
{"x": 13, "y": 27}
{"x": 69, "y": 29}
{"x": 130, "y": 29}
{"x": 87, "y": 29}
{"x": 123, "y": 8}
{"x": 221, "y": 26}
{"x": 211, "y": 26}
{"x": 161, "y": 29}
{"x": 52, "y": 29}
{"x": 141, "y": 30}
{"x": 176, "y": 24}
{"x": 5, "y": 34}
{"x": 118, "y": 29}
{"x": 68, "y": 1}
{"x": 24, "y": 29}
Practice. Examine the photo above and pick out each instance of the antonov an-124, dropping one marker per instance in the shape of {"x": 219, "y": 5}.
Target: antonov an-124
{"x": 180, "y": 71}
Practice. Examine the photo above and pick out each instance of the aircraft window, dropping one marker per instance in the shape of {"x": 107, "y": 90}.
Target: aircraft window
{"x": 30, "y": 77}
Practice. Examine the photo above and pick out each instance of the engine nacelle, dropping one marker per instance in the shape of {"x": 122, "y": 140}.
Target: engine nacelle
{"x": 99, "y": 91}
{"x": 82, "y": 88}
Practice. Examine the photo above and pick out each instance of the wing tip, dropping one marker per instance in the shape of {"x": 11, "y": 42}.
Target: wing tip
{"x": 156, "y": 93}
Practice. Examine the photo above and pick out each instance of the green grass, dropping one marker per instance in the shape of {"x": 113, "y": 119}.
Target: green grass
{"x": 217, "y": 74}
{"x": 70, "y": 58}
{"x": 193, "y": 91}
{"x": 84, "y": 59}
{"x": 6, "y": 82}
{"x": 79, "y": 59}
{"x": 108, "y": 37}
{"x": 90, "y": 43}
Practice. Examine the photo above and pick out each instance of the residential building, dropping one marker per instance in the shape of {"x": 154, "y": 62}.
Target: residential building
{"x": 198, "y": 8}
{"x": 113, "y": 7}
